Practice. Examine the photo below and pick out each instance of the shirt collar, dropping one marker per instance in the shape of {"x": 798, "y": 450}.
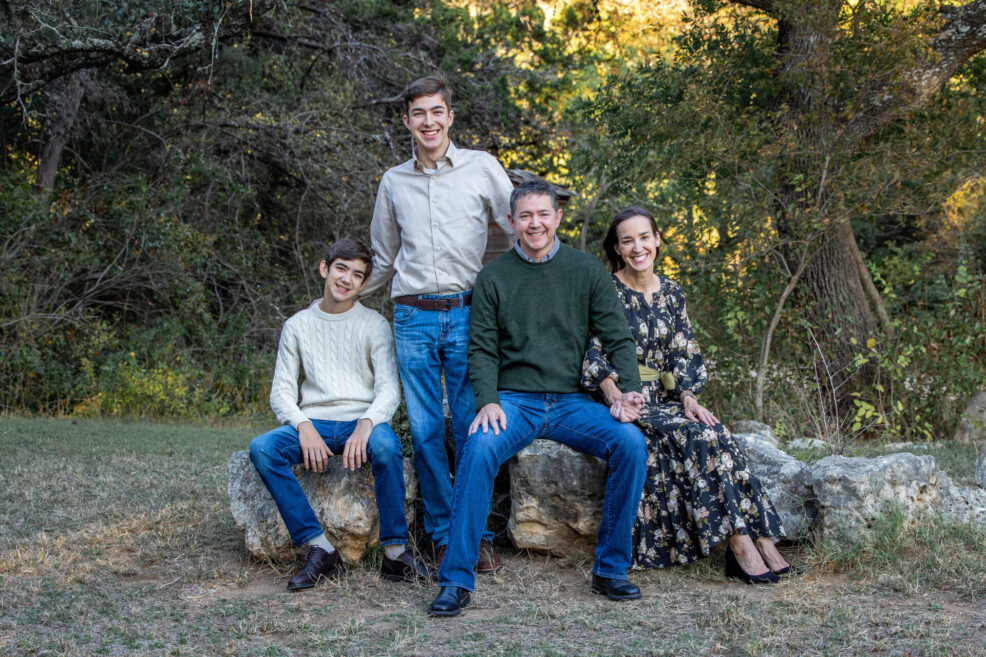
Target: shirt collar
{"x": 451, "y": 156}
{"x": 551, "y": 252}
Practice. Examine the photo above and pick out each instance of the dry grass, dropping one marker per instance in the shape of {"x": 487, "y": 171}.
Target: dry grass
{"x": 116, "y": 540}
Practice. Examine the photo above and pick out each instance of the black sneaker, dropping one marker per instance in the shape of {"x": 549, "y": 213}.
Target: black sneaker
{"x": 318, "y": 564}
{"x": 407, "y": 568}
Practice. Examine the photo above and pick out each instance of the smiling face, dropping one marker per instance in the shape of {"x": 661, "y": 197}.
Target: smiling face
{"x": 637, "y": 243}
{"x": 535, "y": 221}
{"x": 429, "y": 118}
{"x": 343, "y": 281}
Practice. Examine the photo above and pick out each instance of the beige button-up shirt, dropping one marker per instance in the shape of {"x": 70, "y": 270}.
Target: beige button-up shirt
{"x": 429, "y": 229}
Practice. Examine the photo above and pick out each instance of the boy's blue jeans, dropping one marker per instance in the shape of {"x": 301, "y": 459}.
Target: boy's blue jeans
{"x": 571, "y": 419}
{"x": 429, "y": 342}
{"x": 276, "y": 451}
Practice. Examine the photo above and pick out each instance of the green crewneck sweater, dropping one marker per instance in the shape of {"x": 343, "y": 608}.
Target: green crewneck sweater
{"x": 531, "y": 323}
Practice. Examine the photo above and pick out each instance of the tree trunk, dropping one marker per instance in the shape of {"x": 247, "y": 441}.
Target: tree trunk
{"x": 64, "y": 101}
{"x": 839, "y": 305}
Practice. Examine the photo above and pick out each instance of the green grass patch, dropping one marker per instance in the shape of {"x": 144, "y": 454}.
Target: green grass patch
{"x": 117, "y": 540}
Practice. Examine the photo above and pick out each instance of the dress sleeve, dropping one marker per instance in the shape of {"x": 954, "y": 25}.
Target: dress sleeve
{"x": 595, "y": 366}
{"x": 685, "y": 358}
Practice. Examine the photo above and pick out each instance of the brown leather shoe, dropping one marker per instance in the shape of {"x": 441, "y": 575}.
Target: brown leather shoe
{"x": 318, "y": 564}
{"x": 489, "y": 561}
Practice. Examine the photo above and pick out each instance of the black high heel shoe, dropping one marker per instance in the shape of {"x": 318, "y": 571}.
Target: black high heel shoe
{"x": 734, "y": 569}
{"x": 789, "y": 570}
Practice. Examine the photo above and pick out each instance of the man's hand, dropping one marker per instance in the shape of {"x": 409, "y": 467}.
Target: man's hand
{"x": 354, "y": 453}
{"x": 698, "y": 413}
{"x": 627, "y": 407}
{"x": 489, "y": 415}
{"x": 316, "y": 454}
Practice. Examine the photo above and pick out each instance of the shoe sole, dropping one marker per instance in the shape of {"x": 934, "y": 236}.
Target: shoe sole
{"x": 633, "y": 596}
{"x": 451, "y": 612}
{"x": 399, "y": 578}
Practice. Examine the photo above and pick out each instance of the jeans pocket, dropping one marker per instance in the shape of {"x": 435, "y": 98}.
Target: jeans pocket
{"x": 403, "y": 313}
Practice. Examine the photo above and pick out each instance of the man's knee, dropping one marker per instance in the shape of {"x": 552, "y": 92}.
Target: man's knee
{"x": 384, "y": 445}
{"x": 260, "y": 451}
{"x": 631, "y": 443}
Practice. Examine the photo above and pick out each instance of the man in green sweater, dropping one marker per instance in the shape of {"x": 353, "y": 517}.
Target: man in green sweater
{"x": 534, "y": 309}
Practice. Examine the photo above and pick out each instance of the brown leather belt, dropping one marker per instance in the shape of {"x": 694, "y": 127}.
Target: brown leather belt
{"x": 444, "y": 303}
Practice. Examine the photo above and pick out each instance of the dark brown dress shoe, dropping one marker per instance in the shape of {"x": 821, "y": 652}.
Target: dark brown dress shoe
{"x": 439, "y": 555}
{"x": 407, "y": 568}
{"x": 489, "y": 561}
{"x": 318, "y": 564}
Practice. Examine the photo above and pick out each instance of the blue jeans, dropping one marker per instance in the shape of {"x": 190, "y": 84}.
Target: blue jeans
{"x": 429, "y": 342}
{"x": 276, "y": 451}
{"x": 571, "y": 419}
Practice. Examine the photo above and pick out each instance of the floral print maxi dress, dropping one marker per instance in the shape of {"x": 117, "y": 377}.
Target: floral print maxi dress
{"x": 698, "y": 489}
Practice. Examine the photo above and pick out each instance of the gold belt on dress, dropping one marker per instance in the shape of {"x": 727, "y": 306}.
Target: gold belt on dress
{"x": 650, "y": 374}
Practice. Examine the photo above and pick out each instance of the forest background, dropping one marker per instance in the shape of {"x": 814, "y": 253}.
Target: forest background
{"x": 170, "y": 173}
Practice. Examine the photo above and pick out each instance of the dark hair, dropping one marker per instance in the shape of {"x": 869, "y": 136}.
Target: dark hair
{"x": 538, "y": 187}
{"x": 349, "y": 249}
{"x": 612, "y": 238}
{"x": 436, "y": 83}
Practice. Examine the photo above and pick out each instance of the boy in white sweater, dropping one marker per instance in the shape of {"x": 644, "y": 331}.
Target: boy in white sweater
{"x": 343, "y": 355}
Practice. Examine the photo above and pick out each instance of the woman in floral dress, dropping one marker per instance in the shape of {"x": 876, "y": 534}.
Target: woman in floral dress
{"x": 699, "y": 490}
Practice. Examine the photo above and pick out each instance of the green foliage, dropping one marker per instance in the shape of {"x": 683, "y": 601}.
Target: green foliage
{"x": 743, "y": 186}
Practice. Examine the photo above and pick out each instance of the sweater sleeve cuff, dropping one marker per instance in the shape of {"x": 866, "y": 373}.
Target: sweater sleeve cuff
{"x": 295, "y": 419}
{"x": 482, "y": 399}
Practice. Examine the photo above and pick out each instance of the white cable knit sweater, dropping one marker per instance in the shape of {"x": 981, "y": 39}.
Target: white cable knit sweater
{"x": 345, "y": 364}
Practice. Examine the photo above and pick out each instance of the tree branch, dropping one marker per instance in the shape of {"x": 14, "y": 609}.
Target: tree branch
{"x": 39, "y": 52}
{"x": 962, "y": 36}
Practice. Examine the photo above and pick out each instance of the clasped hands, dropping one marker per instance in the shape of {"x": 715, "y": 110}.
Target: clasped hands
{"x": 317, "y": 454}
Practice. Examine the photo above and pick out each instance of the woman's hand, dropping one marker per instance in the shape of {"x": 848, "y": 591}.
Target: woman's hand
{"x": 698, "y": 413}
{"x": 627, "y": 407}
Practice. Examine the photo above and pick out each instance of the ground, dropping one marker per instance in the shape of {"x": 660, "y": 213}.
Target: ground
{"x": 116, "y": 539}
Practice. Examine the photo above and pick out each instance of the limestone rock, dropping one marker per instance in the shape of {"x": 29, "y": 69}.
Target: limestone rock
{"x": 961, "y": 503}
{"x": 809, "y": 443}
{"x": 557, "y": 498}
{"x": 981, "y": 467}
{"x": 758, "y": 429}
{"x": 343, "y": 501}
{"x": 852, "y": 493}
{"x": 972, "y": 423}
{"x": 784, "y": 478}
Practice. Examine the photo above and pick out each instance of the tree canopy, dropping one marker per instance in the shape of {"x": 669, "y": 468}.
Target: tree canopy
{"x": 171, "y": 172}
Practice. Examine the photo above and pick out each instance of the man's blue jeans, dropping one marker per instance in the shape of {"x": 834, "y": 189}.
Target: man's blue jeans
{"x": 276, "y": 451}
{"x": 571, "y": 419}
{"x": 429, "y": 342}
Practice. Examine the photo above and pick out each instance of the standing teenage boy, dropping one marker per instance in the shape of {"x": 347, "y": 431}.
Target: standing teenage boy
{"x": 343, "y": 356}
{"x": 429, "y": 234}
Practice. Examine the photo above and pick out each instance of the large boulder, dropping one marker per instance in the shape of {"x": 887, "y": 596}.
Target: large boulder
{"x": 343, "y": 501}
{"x": 556, "y": 498}
{"x": 972, "y": 422}
{"x": 784, "y": 478}
{"x": 758, "y": 429}
{"x": 961, "y": 503}
{"x": 852, "y": 493}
